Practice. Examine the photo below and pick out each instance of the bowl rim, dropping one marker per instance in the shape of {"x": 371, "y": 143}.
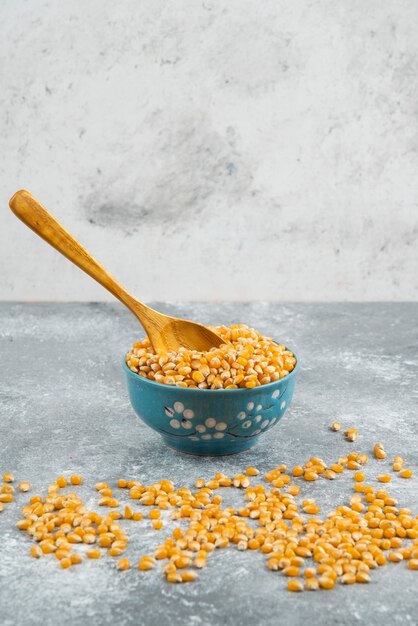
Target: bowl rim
{"x": 212, "y": 392}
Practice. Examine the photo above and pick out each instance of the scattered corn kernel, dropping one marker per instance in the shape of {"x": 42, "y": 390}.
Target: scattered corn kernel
{"x": 311, "y": 584}
{"x": 326, "y": 582}
{"x": 395, "y": 557}
{"x": 123, "y": 564}
{"x": 24, "y": 524}
{"x": 335, "y": 426}
{"x": 93, "y": 553}
{"x": 379, "y": 451}
{"x": 8, "y": 478}
{"x": 295, "y": 585}
{"x": 188, "y": 576}
{"x": 366, "y": 532}
{"x": 157, "y": 524}
{"x": 291, "y": 570}
{"x": 311, "y": 509}
{"x": 397, "y": 463}
{"x": 348, "y": 579}
{"x": 35, "y": 552}
{"x": 351, "y": 434}
{"x": 297, "y": 471}
{"x": 76, "y": 558}
{"x": 174, "y": 577}
{"x": 146, "y": 563}
{"x": 405, "y": 473}
{"x": 76, "y": 479}
{"x": 61, "y": 482}
{"x": 100, "y": 486}
{"x": 24, "y": 486}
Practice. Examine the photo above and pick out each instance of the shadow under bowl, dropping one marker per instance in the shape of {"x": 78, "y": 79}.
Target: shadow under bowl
{"x": 210, "y": 422}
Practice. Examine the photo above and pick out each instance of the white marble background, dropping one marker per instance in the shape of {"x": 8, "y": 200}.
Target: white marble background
{"x": 235, "y": 150}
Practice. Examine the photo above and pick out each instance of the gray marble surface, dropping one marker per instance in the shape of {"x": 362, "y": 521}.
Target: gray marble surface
{"x": 64, "y": 408}
{"x": 240, "y": 137}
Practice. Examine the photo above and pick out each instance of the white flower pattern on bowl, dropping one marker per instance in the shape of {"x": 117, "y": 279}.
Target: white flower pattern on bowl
{"x": 180, "y": 416}
{"x": 249, "y": 423}
{"x": 251, "y": 417}
{"x": 210, "y": 429}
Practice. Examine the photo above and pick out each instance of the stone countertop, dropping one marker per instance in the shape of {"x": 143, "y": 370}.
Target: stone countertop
{"x": 64, "y": 408}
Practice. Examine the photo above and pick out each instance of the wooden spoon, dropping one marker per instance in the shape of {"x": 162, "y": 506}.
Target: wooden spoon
{"x": 165, "y": 333}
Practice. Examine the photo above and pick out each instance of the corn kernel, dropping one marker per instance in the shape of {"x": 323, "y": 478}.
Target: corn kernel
{"x": 405, "y": 473}
{"x": 326, "y": 582}
{"x": 35, "y": 551}
{"x": 291, "y": 570}
{"x": 146, "y": 563}
{"x": 311, "y": 584}
{"x": 295, "y": 585}
{"x": 76, "y": 558}
{"x": 123, "y": 564}
{"x": 379, "y": 451}
{"x": 6, "y": 498}
{"x": 395, "y": 557}
{"x": 188, "y": 576}
{"x": 351, "y": 434}
{"x": 348, "y": 579}
{"x": 93, "y": 553}
{"x": 61, "y": 482}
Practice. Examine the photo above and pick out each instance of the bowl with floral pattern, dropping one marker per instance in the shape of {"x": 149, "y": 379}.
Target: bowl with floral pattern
{"x": 209, "y": 421}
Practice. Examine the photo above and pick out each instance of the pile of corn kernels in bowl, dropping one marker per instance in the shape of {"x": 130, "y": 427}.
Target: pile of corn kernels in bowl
{"x": 246, "y": 360}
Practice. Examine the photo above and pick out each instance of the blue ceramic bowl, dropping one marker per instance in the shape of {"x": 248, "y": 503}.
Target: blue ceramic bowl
{"x": 210, "y": 422}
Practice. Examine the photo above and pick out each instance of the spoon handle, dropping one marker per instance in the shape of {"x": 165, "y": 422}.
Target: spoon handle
{"x": 34, "y": 215}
